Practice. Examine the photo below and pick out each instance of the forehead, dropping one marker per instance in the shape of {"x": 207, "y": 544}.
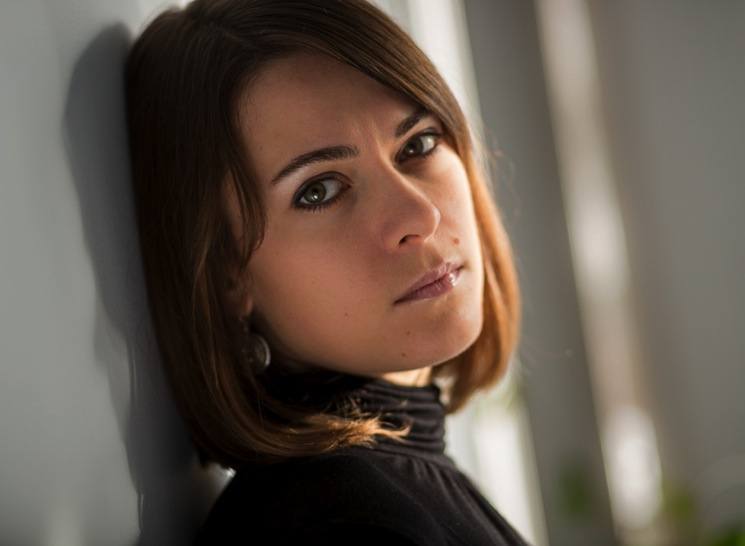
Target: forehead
{"x": 308, "y": 100}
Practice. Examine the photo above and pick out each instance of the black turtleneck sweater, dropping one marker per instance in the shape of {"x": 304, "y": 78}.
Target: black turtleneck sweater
{"x": 389, "y": 494}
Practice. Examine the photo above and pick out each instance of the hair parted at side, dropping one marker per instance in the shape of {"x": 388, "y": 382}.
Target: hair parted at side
{"x": 184, "y": 76}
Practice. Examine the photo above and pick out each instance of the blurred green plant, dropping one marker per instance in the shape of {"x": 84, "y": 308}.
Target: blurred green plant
{"x": 678, "y": 508}
{"x": 732, "y": 535}
{"x": 575, "y": 490}
{"x": 680, "y": 513}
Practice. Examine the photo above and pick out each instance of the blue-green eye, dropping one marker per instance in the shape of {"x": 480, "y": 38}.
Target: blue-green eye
{"x": 318, "y": 194}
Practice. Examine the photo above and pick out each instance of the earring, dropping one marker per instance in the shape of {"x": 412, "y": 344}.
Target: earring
{"x": 256, "y": 349}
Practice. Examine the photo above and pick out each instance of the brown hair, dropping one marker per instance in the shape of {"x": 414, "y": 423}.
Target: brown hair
{"x": 184, "y": 76}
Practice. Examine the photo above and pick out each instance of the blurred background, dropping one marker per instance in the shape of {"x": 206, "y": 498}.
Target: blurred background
{"x": 614, "y": 134}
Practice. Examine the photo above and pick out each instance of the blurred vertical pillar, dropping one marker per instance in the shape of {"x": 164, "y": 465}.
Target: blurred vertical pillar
{"x": 556, "y": 384}
{"x": 673, "y": 78}
{"x": 601, "y": 267}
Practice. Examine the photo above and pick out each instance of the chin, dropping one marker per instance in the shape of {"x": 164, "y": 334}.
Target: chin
{"x": 449, "y": 345}
{"x": 468, "y": 332}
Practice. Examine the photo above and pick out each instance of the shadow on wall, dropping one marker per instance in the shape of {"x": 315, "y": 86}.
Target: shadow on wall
{"x": 173, "y": 492}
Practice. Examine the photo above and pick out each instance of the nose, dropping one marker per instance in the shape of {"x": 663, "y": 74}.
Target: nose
{"x": 409, "y": 213}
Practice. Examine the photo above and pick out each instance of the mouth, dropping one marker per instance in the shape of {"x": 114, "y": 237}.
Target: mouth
{"x": 434, "y": 283}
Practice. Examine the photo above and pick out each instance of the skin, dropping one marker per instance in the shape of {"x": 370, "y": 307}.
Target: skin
{"x": 321, "y": 287}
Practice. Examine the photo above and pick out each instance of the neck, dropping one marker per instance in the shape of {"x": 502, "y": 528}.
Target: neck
{"x": 413, "y": 378}
{"x": 418, "y": 377}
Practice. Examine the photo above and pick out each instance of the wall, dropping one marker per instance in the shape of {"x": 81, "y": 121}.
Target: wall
{"x": 92, "y": 451}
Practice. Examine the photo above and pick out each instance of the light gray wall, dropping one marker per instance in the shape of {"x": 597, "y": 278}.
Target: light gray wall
{"x": 92, "y": 451}
{"x": 674, "y": 80}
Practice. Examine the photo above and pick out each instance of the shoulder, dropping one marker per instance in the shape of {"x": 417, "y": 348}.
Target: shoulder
{"x": 325, "y": 498}
{"x": 359, "y": 533}
{"x": 343, "y": 483}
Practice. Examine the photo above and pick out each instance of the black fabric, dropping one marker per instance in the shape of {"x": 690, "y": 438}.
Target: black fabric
{"x": 391, "y": 493}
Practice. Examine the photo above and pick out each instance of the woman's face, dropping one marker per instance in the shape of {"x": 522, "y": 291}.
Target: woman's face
{"x": 392, "y": 203}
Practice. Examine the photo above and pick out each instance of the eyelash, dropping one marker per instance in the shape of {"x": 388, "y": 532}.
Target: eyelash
{"x": 319, "y": 207}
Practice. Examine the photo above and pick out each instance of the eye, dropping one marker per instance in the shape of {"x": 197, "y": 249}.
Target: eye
{"x": 318, "y": 194}
{"x": 421, "y": 145}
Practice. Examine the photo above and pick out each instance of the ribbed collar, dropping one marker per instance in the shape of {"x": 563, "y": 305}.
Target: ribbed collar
{"x": 399, "y": 404}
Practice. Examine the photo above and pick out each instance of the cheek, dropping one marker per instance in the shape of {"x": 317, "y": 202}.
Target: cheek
{"x": 461, "y": 225}
{"x": 448, "y": 172}
{"x": 303, "y": 280}
{"x": 285, "y": 271}
{"x": 313, "y": 302}
{"x": 456, "y": 199}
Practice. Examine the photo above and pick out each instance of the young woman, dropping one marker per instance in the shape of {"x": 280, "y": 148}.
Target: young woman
{"x": 326, "y": 269}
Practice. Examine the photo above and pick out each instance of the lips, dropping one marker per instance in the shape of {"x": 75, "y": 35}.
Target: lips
{"x": 430, "y": 277}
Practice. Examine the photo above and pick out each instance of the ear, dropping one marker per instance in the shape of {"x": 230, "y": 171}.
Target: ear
{"x": 238, "y": 297}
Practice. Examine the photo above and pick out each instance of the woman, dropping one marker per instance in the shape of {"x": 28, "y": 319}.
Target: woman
{"x": 317, "y": 354}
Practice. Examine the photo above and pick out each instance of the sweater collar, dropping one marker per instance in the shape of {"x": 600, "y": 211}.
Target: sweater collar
{"x": 398, "y": 405}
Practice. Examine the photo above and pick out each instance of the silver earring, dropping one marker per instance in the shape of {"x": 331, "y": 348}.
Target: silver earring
{"x": 256, "y": 349}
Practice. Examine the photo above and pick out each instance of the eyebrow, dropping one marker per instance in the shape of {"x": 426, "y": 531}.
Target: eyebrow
{"x": 332, "y": 153}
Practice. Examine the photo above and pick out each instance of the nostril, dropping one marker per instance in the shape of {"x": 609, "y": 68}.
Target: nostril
{"x": 407, "y": 237}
